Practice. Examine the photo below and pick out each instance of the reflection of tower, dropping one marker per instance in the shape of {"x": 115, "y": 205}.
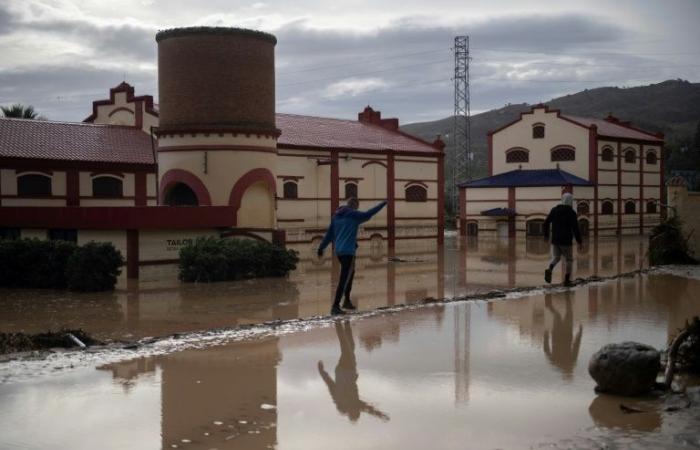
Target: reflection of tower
{"x": 462, "y": 317}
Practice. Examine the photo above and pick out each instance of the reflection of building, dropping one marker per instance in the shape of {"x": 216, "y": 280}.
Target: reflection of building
{"x": 214, "y": 397}
{"x": 214, "y": 143}
{"x": 462, "y": 343}
{"x": 615, "y": 172}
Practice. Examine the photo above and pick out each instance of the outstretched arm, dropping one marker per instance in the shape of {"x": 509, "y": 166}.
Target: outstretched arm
{"x": 366, "y": 407}
{"x": 329, "y": 382}
{"x": 364, "y": 216}
{"x": 326, "y": 239}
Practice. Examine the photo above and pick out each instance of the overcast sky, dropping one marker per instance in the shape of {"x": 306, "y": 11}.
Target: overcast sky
{"x": 335, "y": 57}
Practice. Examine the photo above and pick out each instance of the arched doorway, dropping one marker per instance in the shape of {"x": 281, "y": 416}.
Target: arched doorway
{"x": 181, "y": 195}
{"x": 257, "y": 207}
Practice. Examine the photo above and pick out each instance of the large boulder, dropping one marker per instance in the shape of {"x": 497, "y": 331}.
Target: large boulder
{"x": 629, "y": 368}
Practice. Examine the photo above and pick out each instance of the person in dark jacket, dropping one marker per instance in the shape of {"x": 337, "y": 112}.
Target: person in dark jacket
{"x": 564, "y": 222}
{"x": 343, "y": 233}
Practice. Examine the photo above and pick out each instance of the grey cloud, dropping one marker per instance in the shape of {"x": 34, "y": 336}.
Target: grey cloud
{"x": 7, "y": 20}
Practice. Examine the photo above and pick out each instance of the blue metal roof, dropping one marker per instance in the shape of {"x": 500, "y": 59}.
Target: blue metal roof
{"x": 524, "y": 178}
{"x": 498, "y": 212}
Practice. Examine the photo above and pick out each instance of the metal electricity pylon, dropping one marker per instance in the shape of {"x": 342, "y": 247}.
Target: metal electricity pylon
{"x": 461, "y": 136}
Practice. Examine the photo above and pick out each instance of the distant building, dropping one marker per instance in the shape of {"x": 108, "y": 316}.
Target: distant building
{"x": 614, "y": 171}
{"x": 212, "y": 159}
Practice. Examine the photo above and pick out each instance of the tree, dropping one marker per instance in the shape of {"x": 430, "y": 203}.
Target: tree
{"x": 19, "y": 111}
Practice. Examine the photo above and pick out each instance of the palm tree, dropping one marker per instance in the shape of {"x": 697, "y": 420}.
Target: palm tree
{"x": 19, "y": 111}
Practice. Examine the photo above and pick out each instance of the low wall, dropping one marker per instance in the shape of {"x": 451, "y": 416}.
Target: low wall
{"x": 687, "y": 205}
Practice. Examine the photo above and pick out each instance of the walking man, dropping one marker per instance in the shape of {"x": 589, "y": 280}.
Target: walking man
{"x": 343, "y": 233}
{"x": 564, "y": 223}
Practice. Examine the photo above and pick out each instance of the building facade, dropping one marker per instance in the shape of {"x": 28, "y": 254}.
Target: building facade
{"x": 614, "y": 171}
{"x": 213, "y": 158}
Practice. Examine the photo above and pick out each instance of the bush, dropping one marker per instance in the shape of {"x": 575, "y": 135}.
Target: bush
{"x": 668, "y": 244}
{"x": 212, "y": 259}
{"x": 94, "y": 267}
{"x": 34, "y": 263}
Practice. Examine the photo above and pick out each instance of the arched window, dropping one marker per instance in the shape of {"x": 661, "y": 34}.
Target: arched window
{"x": 607, "y": 207}
{"x": 416, "y": 193}
{"x": 563, "y": 154}
{"x": 181, "y": 195}
{"x": 630, "y": 156}
{"x": 107, "y": 187}
{"x": 607, "y": 154}
{"x": 582, "y": 208}
{"x": 517, "y": 155}
{"x": 535, "y": 227}
{"x": 290, "y": 189}
{"x": 538, "y": 131}
{"x": 651, "y": 207}
{"x": 351, "y": 189}
{"x": 33, "y": 184}
{"x": 630, "y": 207}
{"x": 651, "y": 158}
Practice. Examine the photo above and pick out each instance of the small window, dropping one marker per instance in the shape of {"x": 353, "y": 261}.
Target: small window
{"x": 535, "y": 227}
{"x": 563, "y": 154}
{"x": 517, "y": 156}
{"x": 582, "y": 208}
{"x": 630, "y": 156}
{"x": 538, "y": 131}
{"x": 351, "y": 190}
{"x": 10, "y": 233}
{"x": 651, "y": 158}
{"x": 630, "y": 207}
{"x": 32, "y": 184}
{"x": 290, "y": 189}
{"x": 651, "y": 207}
{"x": 607, "y": 207}
{"x": 107, "y": 187}
{"x": 607, "y": 154}
{"x": 416, "y": 193}
{"x": 63, "y": 235}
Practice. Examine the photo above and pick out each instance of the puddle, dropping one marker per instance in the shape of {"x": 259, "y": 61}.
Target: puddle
{"x": 483, "y": 374}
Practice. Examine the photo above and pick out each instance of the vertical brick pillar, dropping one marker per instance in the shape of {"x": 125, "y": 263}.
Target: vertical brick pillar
{"x": 391, "y": 201}
{"x": 72, "y": 188}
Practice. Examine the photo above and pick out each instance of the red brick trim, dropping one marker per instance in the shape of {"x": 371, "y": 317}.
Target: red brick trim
{"x": 214, "y": 148}
{"x": 441, "y": 201}
{"x": 335, "y": 182}
{"x": 194, "y": 130}
{"x": 417, "y": 182}
{"x": 132, "y": 254}
{"x": 381, "y": 163}
{"x": 511, "y": 205}
{"x": 19, "y": 173}
{"x": 174, "y": 176}
{"x": 72, "y": 188}
{"x": 425, "y": 154}
{"x": 290, "y": 177}
{"x": 122, "y": 87}
{"x": 112, "y": 174}
{"x": 391, "y": 199}
{"x": 462, "y": 208}
{"x": 140, "y": 189}
{"x": 251, "y": 177}
{"x": 121, "y": 108}
{"x": 50, "y": 165}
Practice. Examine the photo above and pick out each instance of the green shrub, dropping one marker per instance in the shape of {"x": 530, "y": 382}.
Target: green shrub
{"x": 94, "y": 267}
{"x": 212, "y": 259}
{"x": 34, "y": 263}
{"x": 668, "y": 244}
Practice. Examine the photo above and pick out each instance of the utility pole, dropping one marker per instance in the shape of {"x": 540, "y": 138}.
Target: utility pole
{"x": 461, "y": 156}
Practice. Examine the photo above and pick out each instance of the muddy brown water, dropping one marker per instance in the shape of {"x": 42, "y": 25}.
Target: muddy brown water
{"x": 507, "y": 373}
{"x": 158, "y": 304}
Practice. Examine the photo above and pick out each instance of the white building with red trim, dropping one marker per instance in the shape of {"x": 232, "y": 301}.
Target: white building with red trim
{"x": 614, "y": 170}
{"x": 212, "y": 159}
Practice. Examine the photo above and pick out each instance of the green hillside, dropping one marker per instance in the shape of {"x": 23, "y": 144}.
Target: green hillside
{"x": 672, "y": 107}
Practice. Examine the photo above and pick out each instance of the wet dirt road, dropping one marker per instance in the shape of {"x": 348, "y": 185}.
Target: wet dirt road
{"x": 159, "y": 305}
{"x": 508, "y": 373}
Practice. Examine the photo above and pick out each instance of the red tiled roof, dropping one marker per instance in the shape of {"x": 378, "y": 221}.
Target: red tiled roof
{"x": 307, "y": 131}
{"x": 610, "y": 129}
{"x": 41, "y": 139}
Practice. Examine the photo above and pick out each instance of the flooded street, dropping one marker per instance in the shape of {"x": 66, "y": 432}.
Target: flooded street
{"x": 159, "y": 305}
{"x": 507, "y": 373}
{"x": 504, "y": 373}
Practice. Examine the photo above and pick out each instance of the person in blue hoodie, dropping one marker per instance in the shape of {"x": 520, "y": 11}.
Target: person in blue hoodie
{"x": 343, "y": 233}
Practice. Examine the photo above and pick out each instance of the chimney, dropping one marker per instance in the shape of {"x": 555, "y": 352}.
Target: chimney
{"x": 373, "y": 117}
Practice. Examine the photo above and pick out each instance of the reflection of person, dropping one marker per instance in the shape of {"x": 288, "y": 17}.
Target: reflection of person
{"x": 344, "y": 389}
{"x": 564, "y": 223}
{"x": 343, "y": 233}
{"x": 563, "y": 349}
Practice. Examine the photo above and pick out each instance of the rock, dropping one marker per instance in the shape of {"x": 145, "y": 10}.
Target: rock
{"x": 629, "y": 368}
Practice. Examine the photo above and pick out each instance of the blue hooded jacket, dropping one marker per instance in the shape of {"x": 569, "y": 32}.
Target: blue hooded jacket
{"x": 343, "y": 228}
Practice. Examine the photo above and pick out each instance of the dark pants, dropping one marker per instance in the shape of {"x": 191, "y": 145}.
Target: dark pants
{"x": 347, "y": 273}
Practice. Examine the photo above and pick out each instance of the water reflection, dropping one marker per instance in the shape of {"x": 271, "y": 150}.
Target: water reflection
{"x": 343, "y": 389}
{"x": 606, "y": 411}
{"x": 562, "y": 347}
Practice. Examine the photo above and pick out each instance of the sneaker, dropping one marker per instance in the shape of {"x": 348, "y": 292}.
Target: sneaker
{"x": 548, "y": 275}
{"x": 347, "y": 304}
{"x": 336, "y": 311}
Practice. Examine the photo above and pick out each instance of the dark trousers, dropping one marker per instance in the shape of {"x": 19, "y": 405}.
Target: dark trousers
{"x": 347, "y": 273}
